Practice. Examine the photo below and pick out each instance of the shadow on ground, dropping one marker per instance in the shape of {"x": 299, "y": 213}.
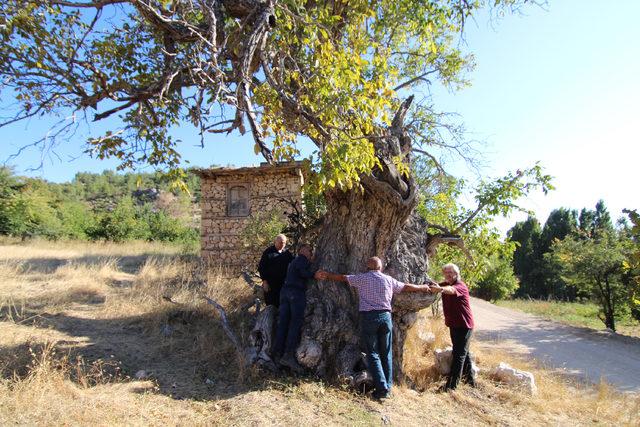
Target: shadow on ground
{"x": 181, "y": 348}
{"x": 128, "y": 264}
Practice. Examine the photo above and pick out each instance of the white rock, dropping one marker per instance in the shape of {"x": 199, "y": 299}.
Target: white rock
{"x": 515, "y": 377}
{"x": 444, "y": 360}
{"x": 426, "y": 337}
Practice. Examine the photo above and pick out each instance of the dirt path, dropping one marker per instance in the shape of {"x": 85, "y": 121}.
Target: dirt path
{"x": 582, "y": 352}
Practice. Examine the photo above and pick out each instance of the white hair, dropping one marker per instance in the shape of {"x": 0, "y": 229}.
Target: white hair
{"x": 281, "y": 237}
{"x": 454, "y": 267}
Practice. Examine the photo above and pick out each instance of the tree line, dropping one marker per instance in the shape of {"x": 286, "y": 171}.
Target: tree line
{"x": 580, "y": 256}
{"x": 574, "y": 256}
{"x": 105, "y": 206}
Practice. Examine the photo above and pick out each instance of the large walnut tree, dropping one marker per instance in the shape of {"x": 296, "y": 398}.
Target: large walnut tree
{"x": 336, "y": 72}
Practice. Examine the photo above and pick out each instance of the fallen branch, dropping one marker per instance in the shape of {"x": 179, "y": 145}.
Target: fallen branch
{"x": 251, "y": 279}
{"x": 256, "y": 302}
{"x": 226, "y": 327}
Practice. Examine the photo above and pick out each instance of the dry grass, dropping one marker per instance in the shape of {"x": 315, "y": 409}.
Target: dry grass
{"x": 560, "y": 400}
{"x": 77, "y": 321}
{"x": 58, "y": 391}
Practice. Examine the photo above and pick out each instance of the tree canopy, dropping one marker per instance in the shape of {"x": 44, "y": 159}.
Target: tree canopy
{"x": 595, "y": 265}
{"x": 546, "y": 267}
{"x": 632, "y": 266}
{"x": 333, "y": 72}
{"x": 481, "y": 252}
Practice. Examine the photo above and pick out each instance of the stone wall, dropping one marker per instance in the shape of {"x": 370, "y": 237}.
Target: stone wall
{"x": 221, "y": 241}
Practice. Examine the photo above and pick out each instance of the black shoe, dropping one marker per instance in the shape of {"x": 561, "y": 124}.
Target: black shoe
{"x": 289, "y": 361}
{"x": 381, "y": 394}
{"x": 470, "y": 380}
{"x": 444, "y": 389}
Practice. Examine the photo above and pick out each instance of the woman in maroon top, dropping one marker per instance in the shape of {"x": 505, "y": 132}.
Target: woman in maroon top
{"x": 459, "y": 319}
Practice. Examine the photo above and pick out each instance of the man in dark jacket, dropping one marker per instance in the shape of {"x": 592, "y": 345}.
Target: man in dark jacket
{"x": 273, "y": 269}
{"x": 293, "y": 301}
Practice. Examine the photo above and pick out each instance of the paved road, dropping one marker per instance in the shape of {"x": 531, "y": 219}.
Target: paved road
{"x": 583, "y": 352}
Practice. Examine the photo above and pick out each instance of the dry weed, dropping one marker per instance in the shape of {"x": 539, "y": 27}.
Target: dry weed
{"x": 60, "y": 390}
{"x": 418, "y": 350}
{"x": 559, "y": 398}
{"x": 115, "y": 295}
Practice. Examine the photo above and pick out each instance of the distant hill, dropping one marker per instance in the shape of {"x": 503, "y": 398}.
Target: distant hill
{"x": 100, "y": 206}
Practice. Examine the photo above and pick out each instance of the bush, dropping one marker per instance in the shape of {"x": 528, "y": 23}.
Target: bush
{"x": 262, "y": 229}
{"x": 164, "y": 228}
{"x": 76, "y": 220}
{"x": 498, "y": 282}
{"x": 121, "y": 224}
{"x": 30, "y": 214}
{"x": 93, "y": 207}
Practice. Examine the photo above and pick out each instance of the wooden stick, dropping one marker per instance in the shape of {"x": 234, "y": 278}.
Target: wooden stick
{"x": 225, "y": 326}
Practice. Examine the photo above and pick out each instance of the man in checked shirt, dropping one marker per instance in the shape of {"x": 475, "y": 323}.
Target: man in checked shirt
{"x": 375, "y": 291}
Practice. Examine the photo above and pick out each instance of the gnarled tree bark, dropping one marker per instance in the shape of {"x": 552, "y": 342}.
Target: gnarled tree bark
{"x": 358, "y": 225}
{"x": 408, "y": 261}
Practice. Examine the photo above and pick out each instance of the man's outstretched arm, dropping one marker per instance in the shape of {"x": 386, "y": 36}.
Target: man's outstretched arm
{"x": 325, "y": 275}
{"x": 410, "y": 287}
{"x": 448, "y": 290}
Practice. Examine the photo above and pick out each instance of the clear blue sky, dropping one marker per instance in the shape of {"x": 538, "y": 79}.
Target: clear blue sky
{"x": 560, "y": 86}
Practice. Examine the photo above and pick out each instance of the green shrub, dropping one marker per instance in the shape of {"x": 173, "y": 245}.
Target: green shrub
{"x": 498, "y": 282}
{"x": 262, "y": 229}
{"x": 121, "y": 224}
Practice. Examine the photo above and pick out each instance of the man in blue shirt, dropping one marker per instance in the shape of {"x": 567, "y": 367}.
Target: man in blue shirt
{"x": 293, "y": 302}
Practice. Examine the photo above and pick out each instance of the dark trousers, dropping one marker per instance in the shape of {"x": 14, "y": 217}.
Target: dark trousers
{"x": 376, "y": 329}
{"x": 273, "y": 296}
{"x": 461, "y": 358}
{"x": 290, "y": 319}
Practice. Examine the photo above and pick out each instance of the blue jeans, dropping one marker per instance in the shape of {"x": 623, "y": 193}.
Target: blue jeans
{"x": 376, "y": 328}
{"x": 290, "y": 319}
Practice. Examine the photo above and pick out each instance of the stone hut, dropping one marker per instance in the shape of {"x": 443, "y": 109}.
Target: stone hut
{"x": 232, "y": 197}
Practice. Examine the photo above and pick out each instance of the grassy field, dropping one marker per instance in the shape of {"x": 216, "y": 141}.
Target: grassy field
{"x": 576, "y": 314}
{"x": 78, "y": 321}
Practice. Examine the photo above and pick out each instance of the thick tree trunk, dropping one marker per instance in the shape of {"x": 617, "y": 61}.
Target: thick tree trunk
{"x": 408, "y": 261}
{"x": 359, "y": 225}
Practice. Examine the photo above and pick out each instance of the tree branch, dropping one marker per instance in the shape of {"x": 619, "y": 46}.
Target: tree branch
{"x": 409, "y": 82}
{"x": 227, "y": 328}
{"x": 433, "y": 159}
{"x": 482, "y": 205}
{"x": 295, "y": 107}
{"x": 95, "y": 4}
{"x": 107, "y": 113}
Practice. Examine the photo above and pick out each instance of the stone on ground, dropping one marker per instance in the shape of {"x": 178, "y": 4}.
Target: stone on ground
{"x": 515, "y": 377}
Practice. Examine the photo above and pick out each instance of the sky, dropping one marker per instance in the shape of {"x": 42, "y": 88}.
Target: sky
{"x": 557, "y": 85}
